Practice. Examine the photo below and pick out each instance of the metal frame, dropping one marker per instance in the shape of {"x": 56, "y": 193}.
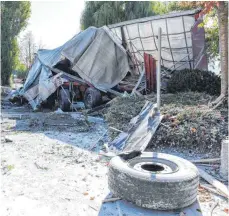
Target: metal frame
{"x": 186, "y": 42}
{"x": 172, "y": 51}
{"x": 141, "y": 20}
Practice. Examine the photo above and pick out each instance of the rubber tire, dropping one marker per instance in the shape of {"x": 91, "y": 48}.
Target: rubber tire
{"x": 166, "y": 191}
{"x": 64, "y": 100}
{"x": 96, "y": 98}
{"x": 50, "y": 102}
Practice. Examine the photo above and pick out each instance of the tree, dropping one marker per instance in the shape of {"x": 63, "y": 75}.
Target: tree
{"x": 222, "y": 12}
{"x": 223, "y": 38}
{"x": 216, "y": 35}
{"x": 108, "y": 12}
{"x": 14, "y": 18}
{"x": 28, "y": 48}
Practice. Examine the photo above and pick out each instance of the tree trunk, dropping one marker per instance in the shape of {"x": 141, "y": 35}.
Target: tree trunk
{"x": 223, "y": 40}
{"x": 223, "y": 45}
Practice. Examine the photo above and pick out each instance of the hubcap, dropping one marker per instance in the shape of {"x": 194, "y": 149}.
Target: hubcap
{"x": 153, "y": 165}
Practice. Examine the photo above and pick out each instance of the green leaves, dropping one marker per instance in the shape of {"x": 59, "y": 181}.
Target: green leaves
{"x": 194, "y": 80}
{"x": 14, "y": 17}
{"x": 104, "y": 13}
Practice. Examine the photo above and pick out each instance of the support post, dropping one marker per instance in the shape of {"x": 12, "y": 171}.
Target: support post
{"x": 224, "y": 159}
{"x": 159, "y": 70}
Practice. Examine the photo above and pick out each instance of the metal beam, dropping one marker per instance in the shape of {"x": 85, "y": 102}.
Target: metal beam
{"x": 141, "y": 20}
{"x": 159, "y": 70}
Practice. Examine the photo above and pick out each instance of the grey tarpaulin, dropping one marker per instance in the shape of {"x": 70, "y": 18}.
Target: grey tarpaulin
{"x": 181, "y": 40}
{"x": 96, "y": 54}
{"x": 104, "y": 63}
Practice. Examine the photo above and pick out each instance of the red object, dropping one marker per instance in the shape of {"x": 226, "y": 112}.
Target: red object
{"x": 74, "y": 83}
{"x": 150, "y": 71}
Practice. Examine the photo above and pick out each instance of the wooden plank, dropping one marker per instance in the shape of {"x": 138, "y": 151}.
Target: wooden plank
{"x": 210, "y": 160}
{"x": 137, "y": 93}
{"x": 139, "y": 81}
{"x": 218, "y": 185}
{"x": 212, "y": 190}
{"x": 115, "y": 129}
{"x": 111, "y": 200}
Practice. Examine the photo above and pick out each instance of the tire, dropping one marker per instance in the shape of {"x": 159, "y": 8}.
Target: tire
{"x": 50, "y": 102}
{"x": 64, "y": 100}
{"x": 92, "y": 98}
{"x": 171, "y": 183}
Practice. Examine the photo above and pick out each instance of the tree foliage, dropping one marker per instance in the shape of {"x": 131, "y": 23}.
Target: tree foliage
{"x": 14, "y": 17}
{"x": 210, "y": 22}
{"x": 28, "y": 48}
{"x": 108, "y": 12}
{"x": 216, "y": 28}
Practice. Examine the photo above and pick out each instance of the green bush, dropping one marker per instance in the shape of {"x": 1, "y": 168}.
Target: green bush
{"x": 194, "y": 80}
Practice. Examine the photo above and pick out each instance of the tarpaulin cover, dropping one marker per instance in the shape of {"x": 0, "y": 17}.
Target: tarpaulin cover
{"x": 96, "y": 54}
{"x": 181, "y": 43}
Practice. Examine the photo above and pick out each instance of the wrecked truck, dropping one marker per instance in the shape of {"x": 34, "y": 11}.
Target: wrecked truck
{"x": 95, "y": 62}
{"x": 84, "y": 68}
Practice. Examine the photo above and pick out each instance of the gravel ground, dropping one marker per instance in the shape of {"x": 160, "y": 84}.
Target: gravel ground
{"x": 50, "y": 171}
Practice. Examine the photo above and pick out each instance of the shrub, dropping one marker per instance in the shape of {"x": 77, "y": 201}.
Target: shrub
{"x": 194, "y": 80}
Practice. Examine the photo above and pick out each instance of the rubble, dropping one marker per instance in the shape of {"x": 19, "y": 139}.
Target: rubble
{"x": 188, "y": 123}
{"x": 121, "y": 111}
{"x": 192, "y": 128}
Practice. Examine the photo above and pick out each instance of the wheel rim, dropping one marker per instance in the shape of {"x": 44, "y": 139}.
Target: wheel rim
{"x": 153, "y": 165}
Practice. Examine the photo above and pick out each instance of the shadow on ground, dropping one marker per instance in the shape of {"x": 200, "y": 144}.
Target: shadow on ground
{"x": 122, "y": 207}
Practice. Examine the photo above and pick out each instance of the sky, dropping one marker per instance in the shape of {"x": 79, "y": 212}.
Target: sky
{"x": 54, "y": 22}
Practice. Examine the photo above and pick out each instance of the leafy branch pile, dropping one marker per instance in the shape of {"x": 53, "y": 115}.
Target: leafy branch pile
{"x": 193, "y": 128}
{"x": 194, "y": 80}
{"x": 188, "y": 121}
{"x": 121, "y": 111}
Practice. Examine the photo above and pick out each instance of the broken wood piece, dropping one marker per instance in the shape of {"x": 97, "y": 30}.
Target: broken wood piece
{"x": 60, "y": 124}
{"x": 209, "y": 165}
{"x": 212, "y": 190}
{"x": 115, "y": 129}
{"x": 137, "y": 93}
{"x": 40, "y": 167}
{"x": 212, "y": 160}
{"x": 218, "y": 185}
{"x": 224, "y": 159}
{"x": 165, "y": 125}
{"x": 111, "y": 200}
{"x": 214, "y": 206}
{"x": 93, "y": 208}
{"x": 139, "y": 81}
{"x": 126, "y": 83}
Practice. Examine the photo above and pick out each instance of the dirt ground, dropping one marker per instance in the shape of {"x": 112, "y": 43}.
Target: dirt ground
{"x": 49, "y": 166}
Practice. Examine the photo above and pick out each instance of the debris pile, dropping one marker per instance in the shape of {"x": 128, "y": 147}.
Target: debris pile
{"x": 59, "y": 122}
{"x": 188, "y": 122}
{"x": 121, "y": 111}
{"x": 193, "y": 128}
